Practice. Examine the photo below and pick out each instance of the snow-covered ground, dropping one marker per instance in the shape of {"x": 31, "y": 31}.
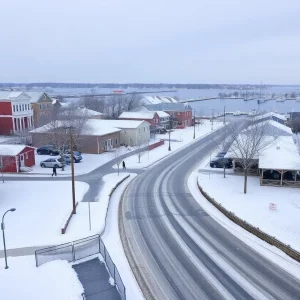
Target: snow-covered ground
{"x": 41, "y": 209}
{"x": 23, "y": 280}
{"x": 79, "y": 226}
{"x": 179, "y": 138}
{"x": 89, "y": 163}
{"x": 111, "y": 238}
{"x": 270, "y": 252}
{"x": 282, "y": 223}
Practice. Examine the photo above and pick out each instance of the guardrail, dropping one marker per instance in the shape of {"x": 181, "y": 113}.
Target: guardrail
{"x": 250, "y": 228}
{"x": 79, "y": 249}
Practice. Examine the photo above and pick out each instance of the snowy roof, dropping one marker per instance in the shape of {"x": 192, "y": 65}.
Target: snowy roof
{"x": 35, "y": 96}
{"x": 282, "y": 129}
{"x": 137, "y": 115}
{"x": 123, "y": 124}
{"x": 11, "y": 150}
{"x": 6, "y": 95}
{"x": 82, "y": 111}
{"x": 282, "y": 154}
{"x": 168, "y": 107}
{"x": 162, "y": 114}
{"x": 158, "y": 99}
{"x": 92, "y": 127}
{"x": 270, "y": 115}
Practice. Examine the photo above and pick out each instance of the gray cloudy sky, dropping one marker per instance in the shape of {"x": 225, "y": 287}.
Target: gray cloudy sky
{"x": 188, "y": 41}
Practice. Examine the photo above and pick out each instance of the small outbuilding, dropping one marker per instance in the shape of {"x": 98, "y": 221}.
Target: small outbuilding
{"x": 279, "y": 164}
{"x": 15, "y": 157}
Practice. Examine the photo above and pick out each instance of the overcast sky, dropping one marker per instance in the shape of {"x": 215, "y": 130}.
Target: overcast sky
{"x": 178, "y": 41}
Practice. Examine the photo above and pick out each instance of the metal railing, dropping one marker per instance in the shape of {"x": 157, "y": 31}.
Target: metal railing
{"x": 80, "y": 249}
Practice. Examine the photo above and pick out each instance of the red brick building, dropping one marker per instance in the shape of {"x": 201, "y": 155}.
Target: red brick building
{"x": 150, "y": 117}
{"x": 15, "y": 157}
{"x": 181, "y": 113}
{"x": 15, "y": 112}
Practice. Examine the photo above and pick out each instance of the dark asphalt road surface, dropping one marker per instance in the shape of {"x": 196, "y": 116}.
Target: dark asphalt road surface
{"x": 177, "y": 251}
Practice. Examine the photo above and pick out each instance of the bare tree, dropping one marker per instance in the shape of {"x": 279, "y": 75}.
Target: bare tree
{"x": 66, "y": 122}
{"x": 141, "y": 148}
{"x": 247, "y": 145}
{"x": 94, "y": 103}
{"x": 6, "y": 161}
{"x": 117, "y": 156}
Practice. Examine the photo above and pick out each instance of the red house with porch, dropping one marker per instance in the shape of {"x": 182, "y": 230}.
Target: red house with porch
{"x": 15, "y": 112}
{"x": 15, "y": 157}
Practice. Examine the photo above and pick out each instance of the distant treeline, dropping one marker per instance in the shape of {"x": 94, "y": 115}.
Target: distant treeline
{"x": 132, "y": 85}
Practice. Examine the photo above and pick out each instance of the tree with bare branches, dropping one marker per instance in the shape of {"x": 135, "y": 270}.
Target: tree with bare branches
{"x": 141, "y": 148}
{"x": 5, "y": 162}
{"x": 247, "y": 145}
{"x": 117, "y": 156}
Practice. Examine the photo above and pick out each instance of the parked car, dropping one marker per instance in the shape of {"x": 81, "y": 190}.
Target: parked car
{"x": 48, "y": 150}
{"x": 221, "y": 154}
{"x": 67, "y": 159}
{"x": 76, "y": 155}
{"x": 50, "y": 163}
{"x": 219, "y": 162}
{"x": 162, "y": 130}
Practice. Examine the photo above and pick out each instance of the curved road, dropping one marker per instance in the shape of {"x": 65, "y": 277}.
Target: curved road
{"x": 177, "y": 251}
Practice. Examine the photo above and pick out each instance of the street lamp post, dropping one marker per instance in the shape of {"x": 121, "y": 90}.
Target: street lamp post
{"x": 3, "y": 228}
{"x": 194, "y": 125}
{"x": 212, "y": 119}
{"x": 169, "y": 149}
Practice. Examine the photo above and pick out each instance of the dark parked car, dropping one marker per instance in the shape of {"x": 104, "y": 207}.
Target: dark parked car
{"x": 48, "y": 150}
{"x": 219, "y": 162}
{"x": 162, "y": 130}
{"x": 221, "y": 154}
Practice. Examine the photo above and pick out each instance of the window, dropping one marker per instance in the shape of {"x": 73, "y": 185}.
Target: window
{"x": 23, "y": 107}
{"x": 26, "y": 155}
{"x": 17, "y": 107}
{"x": 144, "y": 129}
{"x": 139, "y": 131}
{"x": 14, "y": 108}
{"x": 116, "y": 141}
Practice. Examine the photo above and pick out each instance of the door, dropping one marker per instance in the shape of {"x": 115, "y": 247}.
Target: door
{"x": 22, "y": 162}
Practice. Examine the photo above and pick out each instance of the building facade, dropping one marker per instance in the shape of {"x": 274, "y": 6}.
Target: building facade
{"x": 151, "y": 117}
{"x": 16, "y": 114}
{"x": 41, "y": 105}
{"x": 179, "y": 112}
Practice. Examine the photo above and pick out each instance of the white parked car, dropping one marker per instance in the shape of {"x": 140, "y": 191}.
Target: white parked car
{"x": 50, "y": 163}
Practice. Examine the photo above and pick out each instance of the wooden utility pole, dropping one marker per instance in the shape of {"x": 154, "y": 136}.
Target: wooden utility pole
{"x": 224, "y": 116}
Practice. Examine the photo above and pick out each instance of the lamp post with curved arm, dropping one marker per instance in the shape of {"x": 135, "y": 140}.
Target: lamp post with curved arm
{"x": 3, "y": 228}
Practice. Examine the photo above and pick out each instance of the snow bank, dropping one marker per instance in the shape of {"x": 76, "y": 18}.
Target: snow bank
{"x": 283, "y": 223}
{"x": 23, "y": 280}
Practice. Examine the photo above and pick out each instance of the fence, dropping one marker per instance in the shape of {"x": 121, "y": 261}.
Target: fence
{"x": 254, "y": 230}
{"x": 79, "y": 249}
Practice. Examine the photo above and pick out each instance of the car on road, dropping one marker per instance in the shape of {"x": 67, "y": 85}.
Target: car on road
{"x": 50, "y": 163}
{"x": 162, "y": 131}
{"x": 47, "y": 150}
{"x": 219, "y": 162}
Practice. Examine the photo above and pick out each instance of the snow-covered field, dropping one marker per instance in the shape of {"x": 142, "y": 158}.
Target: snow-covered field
{"x": 179, "y": 138}
{"x": 282, "y": 223}
{"x": 23, "y": 280}
{"x": 41, "y": 209}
